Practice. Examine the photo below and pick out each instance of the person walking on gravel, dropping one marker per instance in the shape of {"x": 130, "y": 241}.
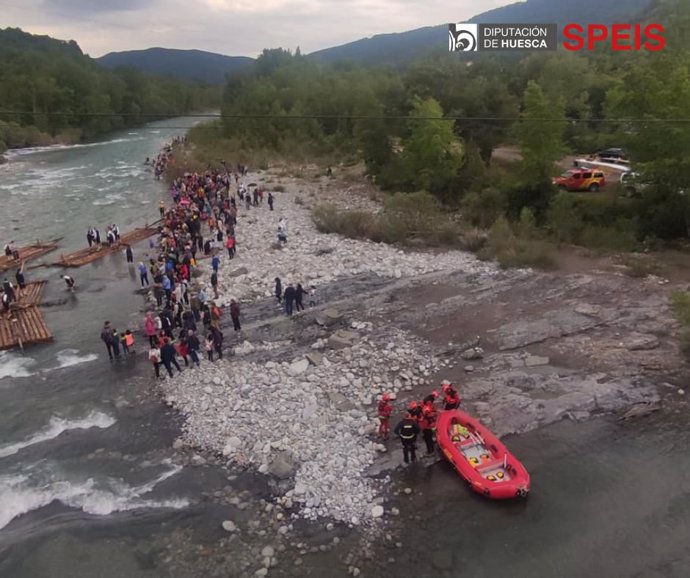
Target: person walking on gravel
{"x": 235, "y": 314}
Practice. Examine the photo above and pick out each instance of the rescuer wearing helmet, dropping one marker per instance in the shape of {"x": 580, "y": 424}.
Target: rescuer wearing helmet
{"x": 428, "y": 426}
{"x": 385, "y": 410}
{"x": 408, "y": 430}
{"x": 451, "y": 399}
{"x": 415, "y": 410}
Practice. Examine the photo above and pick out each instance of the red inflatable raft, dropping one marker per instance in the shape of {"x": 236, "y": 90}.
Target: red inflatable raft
{"x": 480, "y": 458}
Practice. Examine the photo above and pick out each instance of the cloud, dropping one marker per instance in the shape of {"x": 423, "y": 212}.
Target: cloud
{"x": 234, "y": 27}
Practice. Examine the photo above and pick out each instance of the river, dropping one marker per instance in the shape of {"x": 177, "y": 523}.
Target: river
{"x": 90, "y": 484}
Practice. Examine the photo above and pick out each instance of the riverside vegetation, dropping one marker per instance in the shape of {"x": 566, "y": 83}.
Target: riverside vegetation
{"x": 427, "y": 135}
{"x": 50, "y": 92}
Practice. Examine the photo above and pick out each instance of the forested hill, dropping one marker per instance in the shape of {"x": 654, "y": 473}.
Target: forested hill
{"x": 193, "y": 65}
{"x": 401, "y": 48}
{"x": 57, "y": 94}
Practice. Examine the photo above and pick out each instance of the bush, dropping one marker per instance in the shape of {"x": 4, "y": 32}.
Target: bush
{"x": 414, "y": 219}
{"x": 609, "y": 238}
{"x": 680, "y": 303}
{"x": 562, "y": 219}
{"x": 511, "y": 251}
{"x": 352, "y": 224}
{"x": 639, "y": 265}
{"x": 527, "y": 225}
{"x": 482, "y": 209}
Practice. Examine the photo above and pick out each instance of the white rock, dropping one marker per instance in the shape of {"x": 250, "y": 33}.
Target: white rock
{"x": 268, "y": 552}
{"x": 229, "y": 526}
{"x": 377, "y": 512}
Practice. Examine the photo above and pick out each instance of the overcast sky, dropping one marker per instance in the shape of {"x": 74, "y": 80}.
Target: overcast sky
{"x": 234, "y": 27}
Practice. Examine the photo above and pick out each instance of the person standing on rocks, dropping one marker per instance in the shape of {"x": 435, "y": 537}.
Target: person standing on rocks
{"x": 299, "y": 295}
{"x": 385, "y": 409}
{"x": 279, "y": 291}
{"x": 168, "y": 357}
{"x": 289, "y": 298}
{"x": 312, "y": 295}
{"x": 143, "y": 274}
{"x": 217, "y": 336}
{"x": 193, "y": 346}
{"x": 270, "y": 201}
{"x": 408, "y": 430}
{"x": 129, "y": 255}
{"x": 208, "y": 346}
{"x": 214, "y": 284}
{"x": 451, "y": 398}
{"x": 235, "y": 314}
{"x": 427, "y": 424}
{"x": 107, "y": 338}
{"x": 155, "y": 359}
{"x": 150, "y": 329}
{"x": 215, "y": 263}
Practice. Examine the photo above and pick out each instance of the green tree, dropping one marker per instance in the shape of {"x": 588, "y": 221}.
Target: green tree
{"x": 432, "y": 154}
{"x": 540, "y": 133}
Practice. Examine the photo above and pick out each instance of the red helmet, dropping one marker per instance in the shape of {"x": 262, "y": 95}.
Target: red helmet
{"x": 434, "y": 393}
{"x": 413, "y": 405}
{"x": 386, "y": 397}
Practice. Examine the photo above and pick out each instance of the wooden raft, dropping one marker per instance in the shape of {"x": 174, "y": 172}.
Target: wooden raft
{"x": 26, "y": 253}
{"x": 31, "y": 294}
{"x": 90, "y": 254}
{"x": 24, "y": 327}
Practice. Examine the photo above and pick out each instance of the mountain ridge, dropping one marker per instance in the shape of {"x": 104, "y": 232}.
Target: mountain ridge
{"x": 386, "y": 49}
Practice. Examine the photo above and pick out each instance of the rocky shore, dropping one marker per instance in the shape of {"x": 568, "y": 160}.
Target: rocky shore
{"x": 297, "y": 399}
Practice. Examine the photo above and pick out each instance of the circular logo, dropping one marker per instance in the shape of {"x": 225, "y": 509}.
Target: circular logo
{"x": 465, "y": 41}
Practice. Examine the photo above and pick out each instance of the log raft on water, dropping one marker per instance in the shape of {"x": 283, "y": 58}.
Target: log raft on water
{"x": 25, "y": 327}
{"x": 31, "y": 294}
{"x": 90, "y": 254}
{"x": 26, "y": 253}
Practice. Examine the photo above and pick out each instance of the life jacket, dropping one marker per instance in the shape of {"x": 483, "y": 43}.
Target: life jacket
{"x": 451, "y": 397}
{"x": 385, "y": 409}
{"x": 129, "y": 339}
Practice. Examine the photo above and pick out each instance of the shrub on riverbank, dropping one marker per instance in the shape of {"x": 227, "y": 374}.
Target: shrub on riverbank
{"x": 406, "y": 219}
{"x": 680, "y": 303}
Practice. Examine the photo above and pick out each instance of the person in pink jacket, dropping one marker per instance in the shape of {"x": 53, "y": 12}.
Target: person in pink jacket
{"x": 150, "y": 328}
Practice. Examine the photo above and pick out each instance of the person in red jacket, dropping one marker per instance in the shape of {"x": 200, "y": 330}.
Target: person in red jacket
{"x": 427, "y": 424}
{"x": 451, "y": 398}
{"x": 385, "y": 410}
{"x": 415, "y": 410}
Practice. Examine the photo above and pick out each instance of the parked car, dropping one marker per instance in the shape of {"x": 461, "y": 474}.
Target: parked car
{"x": 612, "y": 153}
{"x": 632, "y": 184}
{"x": 581, "y": 180}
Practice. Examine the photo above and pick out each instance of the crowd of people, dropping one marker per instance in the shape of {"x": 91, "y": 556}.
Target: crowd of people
{"x": 200, "y": 222}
